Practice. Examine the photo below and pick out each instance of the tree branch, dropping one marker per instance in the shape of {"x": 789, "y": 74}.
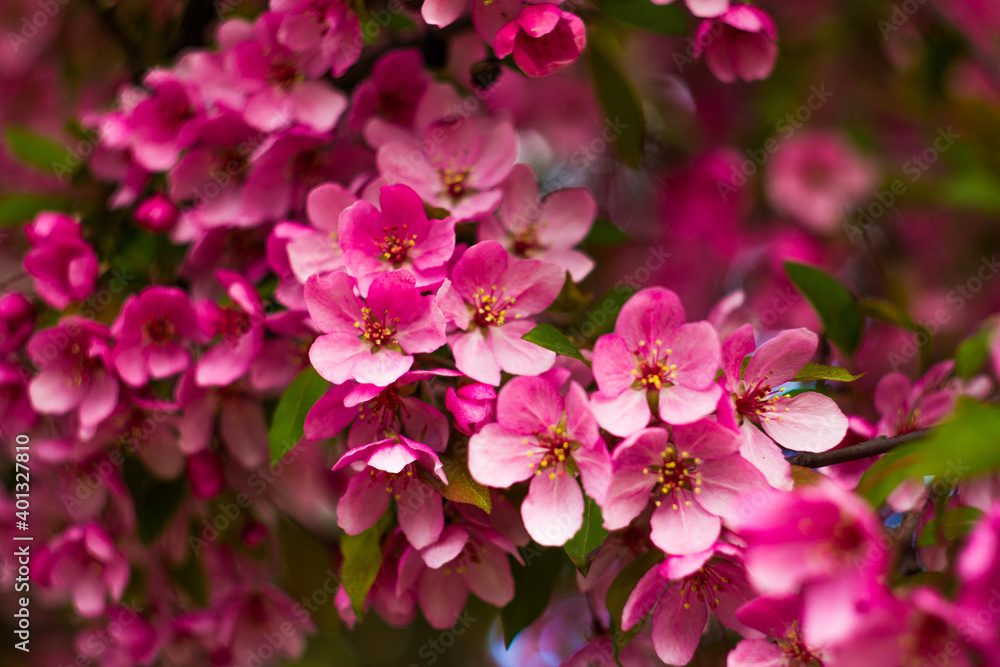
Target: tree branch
{"x": 862, "y": 450}
{"x": 132, "y": 49}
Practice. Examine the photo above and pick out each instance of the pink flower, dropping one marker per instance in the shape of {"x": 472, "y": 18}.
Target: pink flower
{"x": 328, "y": 26}
{"x": 536, "y": 436}
{"x": 248, "y": 615}
{"x": 816, "y": 177}
{"x": 489, "y": 294}
{"x": 63, "y": 265}
{"x": 457, "y": 165}
{"x": 84, "y": 564}
{"x": 390, "y": 469}
{"x": 543, "y": 39}
{"x": 157, "y": 213}
{"x": 808, "y": 422}
{"x": 780, "y": 617}
{"x": 151, "y": 333}
{"x": 739, "y": 44}
{"x": 906, "y": 407}
{"x": 693, "y": 476}
{"x": 127, "y": 639}
{"x": 546, "y": 230}
{"x": 397, "y": 237}
{"x": 472, "y": 405}
{"x": 17, "y": 321}
{"x": 654, "y": 353}
{"x": 389, "y": 99}
{"x": 701, "y": 8}
{"x": 161, "y": 126}
{"x": 465, "y": 558}
{"x": 681, "y": 591}
{"x": 241, "y": 329}
{"x": 74, "y": 372}
{"x": 372, "y": 340}
{"x": 979, "y": 574}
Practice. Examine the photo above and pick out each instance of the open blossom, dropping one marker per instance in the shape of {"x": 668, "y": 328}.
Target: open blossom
{"x": 241, "y": 328}
{"x": 17, "y": 321}
{"x": 63, "y": 265}
{"x": 84, "y": 564}
{"x": 738, "y": 44}
{"x": 654, "y": 353}
{"x": 163, "y": 124}
{"x": 247, "y": 613}
{"x": 390, "y": 470}
{"x": 466, "y": 558}
{"x": 545, "y": 230}
{"x": 681, "y": 591}
{"x": 693, "y": 476}
{"x": 490, "y": 296}
{"x": 388, "y": 100}
{"x": 152, "y": 333}
{"x": 543, "y": 39}
{"x": 327, "y": 26}
{"x": 457, "y": 165}
{"x": 74, "y": 372}
{"x": 780, "y": 617}
{"x": 808, "y": 422}
{"x": 537, "y": 435}
{"x": 372, "y": 340}
{"x": 399, "y": 236}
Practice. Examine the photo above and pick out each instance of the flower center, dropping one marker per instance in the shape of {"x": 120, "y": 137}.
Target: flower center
{"x": 159, "y": 330}
{"x": 676, "y": 473}
{"x": 468, "y": 557}
{"x": 455, "y": 181}
{"x": 759, "y": 403}
{"x": 83, "y": 366}
{"x": 284, "y": 74}
{"x": 376, "y": 332}
{"x": 394, "y": 243}
{"x": 557, "y": 446}
{"x": 653, "y": 369}
{"x": 704, "y": 585}
{"x": 235, "y": 324}
{"x": 395, "y": 483}
{"x": 490, "y": 309}
{"x": 525, "y": 240}
{"x": 794, "y": 647}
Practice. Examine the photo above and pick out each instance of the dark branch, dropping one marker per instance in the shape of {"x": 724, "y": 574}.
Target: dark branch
{"x": 132, "y": 49}
{"x": 197, "y": 15}
{"x": 862, "y": 450}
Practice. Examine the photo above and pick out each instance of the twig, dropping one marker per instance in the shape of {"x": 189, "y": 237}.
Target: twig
{"x": 132, "y": 49}
{"x": 862, "y": 450}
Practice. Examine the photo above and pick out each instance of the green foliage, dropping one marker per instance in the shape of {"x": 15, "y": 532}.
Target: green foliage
{"x": 814, "y": 372}
{"x": 362, "y": 560}
{"x": 583, "y": 547}
{"x": 287, "y": 427}
{"x": 36, "y": 150}
{"x": 836, "y": 306}
{"x": 972, "y": 352}
{"x": 604, "y": 233}
{"x": 461, "y": 488}
{"x": 547, "y": 336}
{"x": 16, "y": 209}
{"x": 533, "y": 585}
{"x": 618, "y": 97}
{"x": 955, "y": 523}
{"x": 643, "y": 14}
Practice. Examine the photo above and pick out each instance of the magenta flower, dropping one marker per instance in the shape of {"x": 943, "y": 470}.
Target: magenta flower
{"x": 17, "y": 321}
{"x": 546, "y": 230}
{"x": 465, "y": 558}
{"x": 739, "y": 44}
{"x": 151, "y": 333}
{"x": 540, "y": 436}
{"x": 63, "y": 265}
{"x": 653, "y": 353}
{"x": 161, "y": 126}
{"x": 83, "y": 563}
{"x": 780, "y": 617}
{"x": 809, "y": 422}
{"x": 472, "y": 405}
{"x": 543, "y": 39}
{"x": 387, "y": 102}
{"x": 73, "y": 372}
{"x": 391, "y": 467}
{"x": 247, "y": 615}
{"x": 126, "y": 639}
{"x": 157, "y": 213}
{"x": 906, "y": 407}
{"x": 397, "y": 237}
{"x": 327, "y": 26}
{"x": 372, "y": 340}
{"x": 458, "y": 164}
{"x": 693, "y": 476}
{"x": 701, "y": 8}
{"x": 241, "y": 328}
{"x": 979, "y": 574}
{"x": 489, "y": 294}
{"x": 681, "y": 591}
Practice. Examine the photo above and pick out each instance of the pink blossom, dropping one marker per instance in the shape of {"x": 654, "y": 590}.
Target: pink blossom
{"x": 456, "y": 165}
{"x": 328, "y": 26}
{"x": 372, "y": 340}
{"x": 489, "y": 298}
{"x": 74, "y": 372}
{"x": 161, "y": 126}
{"x": 157, "y": 213}
{"x": 390, "y": 97}
{"x": 816, "y": 178}
{"x": 17, "y": 321}
{"x": 693, "y": 476}
{"x": 545, "y": 230}
{"x": 739, "y": 44}
{"x": 84, "y": 564}
{"x": 390, "y": 469}
{"x": 63, "y": 265}
{"x": 780, "y": 617}
{"x": 241, "y": 328}
{"x": 680, "y": 593}
{"x": 979, "y": 573}
{"x": 653, "y": 353}
{"x": 543, "y": 39}
{"x": 396, "y": 237}
{"x": 536, "y": 435}
{"x": 128, "y": 639}
{"x": 808, "y": 422}
{"x": 906, "y": 407}
{"x": 248, "y": 615}
{"x": 152, "y": 333}
{"x": 472, "y": 405}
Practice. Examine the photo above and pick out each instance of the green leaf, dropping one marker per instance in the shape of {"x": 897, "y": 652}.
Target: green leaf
{"x": 19, "y": 208}
{"x": 287, "y": 427}
{"x": 533, "y": 585}
{"x": 547, "y": 336}
{"x": 880, "y": 309}
{"x": 604, "y": 233}
{"x": 620, "y": 590}
{"x": 643, "y": 14}
{"x": 600, "y": 318}
{"x": 307, "y": 566}
{"x": 570, "y": 298}
{"x": 158, "y": 509}
{"x": 461, "y": 488}
{"x": 956, "y": 523}
{"x": 962, "y": 447}
{"x": 583, "y": 547}
{"x": 836, "y": 306}
{"x": 972, "y": 352}
{"x": 36, "y": 150}
{"x": 814, "y": 372}
{"x": 362, "y": 560}
{"x": 191, "y": 578}
{"x": 619, "y": 100}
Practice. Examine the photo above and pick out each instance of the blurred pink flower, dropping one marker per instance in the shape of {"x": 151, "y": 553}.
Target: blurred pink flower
{"x": 63, "y": 265}
{"x": 739, "y": 44}
{"x": 543, "y": 39}
{"x": 84, "y": 564}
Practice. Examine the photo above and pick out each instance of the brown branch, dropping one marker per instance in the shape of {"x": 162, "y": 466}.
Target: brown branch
{"x": 862, "y": 450}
